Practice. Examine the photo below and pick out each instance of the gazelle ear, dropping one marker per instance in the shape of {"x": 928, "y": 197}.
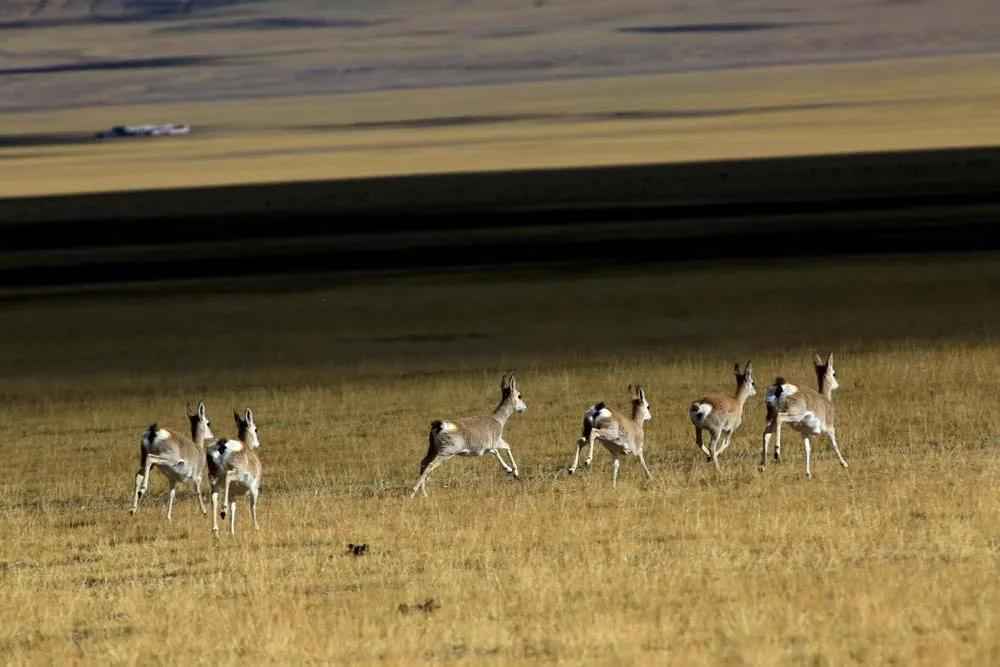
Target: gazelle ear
{"x": 642, "y": 394}
{"x": 748, "y": 369}
{"x": 201, "y": 409}
{"x": 829, "y": 360}
{"x": 818, "y": 360}
{"x": 236, "y": 416}
{"x": 736, "y": 368}
{"x": 249, "y": 416}
{"x": 187, "y": 410}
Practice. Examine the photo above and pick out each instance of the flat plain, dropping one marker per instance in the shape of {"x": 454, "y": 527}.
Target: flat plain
{"x": 892, "y": 561}
{"x": 819, "y": 109}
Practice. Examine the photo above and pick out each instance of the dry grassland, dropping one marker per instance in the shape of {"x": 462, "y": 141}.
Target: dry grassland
{"x": 794, "y": 110}
{"x": 893, "y": 561}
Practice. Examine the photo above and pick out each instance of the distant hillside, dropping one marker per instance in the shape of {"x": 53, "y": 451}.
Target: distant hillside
{"x": 61, "y": 53}
{"x": 42, "y": 10}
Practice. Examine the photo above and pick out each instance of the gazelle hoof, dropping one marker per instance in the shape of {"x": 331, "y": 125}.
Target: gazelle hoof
{"x": 844, "y": 464}
{"x": 571, "y": 470}
{"x": 761, "y": 468}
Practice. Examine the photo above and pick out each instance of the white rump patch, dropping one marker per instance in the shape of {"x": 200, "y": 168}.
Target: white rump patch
{"x": 449, "y": 427}
{"x": 163, "y": 434}
{"x": 234, "y": 446}
{"x": 699, "y": 413}
{"x": 785, "y": 390}
{"x": 596, "y": 414}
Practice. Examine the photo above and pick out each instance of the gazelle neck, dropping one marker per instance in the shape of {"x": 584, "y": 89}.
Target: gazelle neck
{"x": 504, "y": 410}
{"x": 742, "y": 394}
{"x": 198, "y": 436}
{"x": 824, "y": 387}
{"x": 637, "y": 414}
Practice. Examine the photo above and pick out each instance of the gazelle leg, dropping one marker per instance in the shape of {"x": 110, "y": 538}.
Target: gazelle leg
{"x": 232, "y": 518}
{"x": 766, "y": 438}
{"x": 777, "y": 438}
{"x": 701, "y": 444}
{"x": 513, "y": 463}
{"x": 714, "y": 446}
{"x": 503, "y": 464}
{"x": 197, "y": 489}
{"x": 590, "y": 452}
{"x": 215, "y": 511}
{"x": 230, "y": 476}
{"x": 726, "y": 441}
{"x": 421, "y": 484}
{"x": 580, "y": 444}
{"x": 145, "y": 477}
{"x": 614, "y": 472}
{"x": 833, "y": 441}
{"x": 137, "y": 494}
{"x": 642, "y": 460}
{"x": 808, "y": 446}
{"x": 170, "y": 501}
{"x": 253, "y": 509}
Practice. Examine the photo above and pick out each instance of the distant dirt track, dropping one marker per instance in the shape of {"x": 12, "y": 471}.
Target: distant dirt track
{"x": 918, "y": 201}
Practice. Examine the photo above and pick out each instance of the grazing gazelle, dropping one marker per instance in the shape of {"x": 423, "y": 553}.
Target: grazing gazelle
{"x": 807, "y": 411}
{"x": 473, "y": 436}
{"x": 621, "y": 434}
{"x": 233, "y": 464}
{"x": 722, "y": 415}
{"x": 179, "y": 459}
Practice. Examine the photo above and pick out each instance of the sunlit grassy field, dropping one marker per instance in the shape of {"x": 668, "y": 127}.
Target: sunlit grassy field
{"x": 891, "y": 561}
{"x": 884, "y": 105}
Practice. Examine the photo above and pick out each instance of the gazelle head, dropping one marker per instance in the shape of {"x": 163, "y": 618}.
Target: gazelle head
{"x": 744, "y": 380}
{"x": 247, "y": 429}
{"x": 508, "y": 387}
{"x": 640, "y": 406}
{"x": 200, "y": 424}
{"x": 826, "y": 376}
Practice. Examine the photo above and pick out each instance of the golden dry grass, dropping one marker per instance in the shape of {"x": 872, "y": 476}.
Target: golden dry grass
{"x": 795, "y": 110}
{"x": 891, "y": 561}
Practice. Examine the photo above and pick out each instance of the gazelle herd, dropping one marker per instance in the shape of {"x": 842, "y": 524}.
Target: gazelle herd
{"x": 234, "y": 468}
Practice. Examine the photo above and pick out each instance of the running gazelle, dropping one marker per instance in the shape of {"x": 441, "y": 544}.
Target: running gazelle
{"x": 473, "y": 436}
{"x": 178, "y": 458}
{"x": 809, "y": 412}
{"x": 621, "y": 433}
{"x": 722, "y": 415}
{"x": 234, "y": 465}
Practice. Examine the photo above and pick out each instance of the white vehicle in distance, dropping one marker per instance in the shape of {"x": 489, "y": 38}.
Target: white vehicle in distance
{"x": 164, "y": 130}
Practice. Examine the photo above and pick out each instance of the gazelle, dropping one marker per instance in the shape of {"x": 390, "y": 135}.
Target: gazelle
{"x": 809, "y": 412}
{"x": 473, "y": 436}
{"x": 234, "y": 463}
{"x": 177, "y": 457}
{"x": 771, "y": 410}
{"x": 620, "y": 433}
{"x": 722, "y": 415}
